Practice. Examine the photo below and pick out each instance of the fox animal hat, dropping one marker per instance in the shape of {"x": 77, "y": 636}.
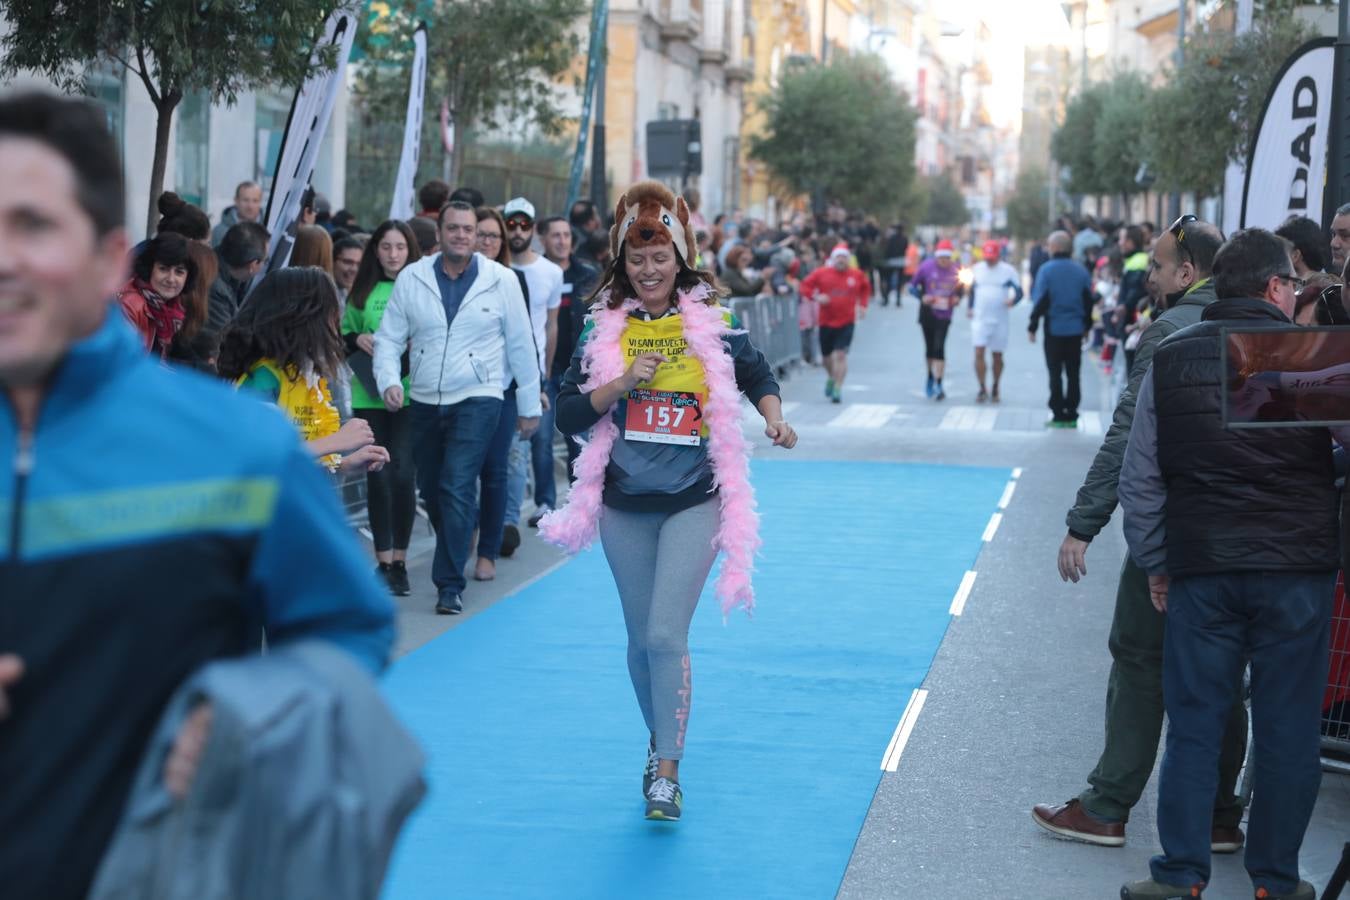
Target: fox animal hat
{"x": 649, "y": 214}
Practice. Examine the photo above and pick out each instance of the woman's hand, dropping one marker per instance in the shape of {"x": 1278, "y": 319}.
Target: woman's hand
{"x": 370, "y": 458}
{"x": 643, "y": 369}
{"x": 366, "y": 342}
{"x": 353, "y": 435}
{"x": 782, "y": 434}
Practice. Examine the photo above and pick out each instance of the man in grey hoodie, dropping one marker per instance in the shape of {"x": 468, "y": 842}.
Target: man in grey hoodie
{"x": 1180, "y": 269}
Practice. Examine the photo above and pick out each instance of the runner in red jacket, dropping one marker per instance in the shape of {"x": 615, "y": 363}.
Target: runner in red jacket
{"x": 842, "y": 290}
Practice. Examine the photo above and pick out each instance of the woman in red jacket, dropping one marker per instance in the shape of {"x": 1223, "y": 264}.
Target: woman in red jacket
{"x": 156, "y": 299}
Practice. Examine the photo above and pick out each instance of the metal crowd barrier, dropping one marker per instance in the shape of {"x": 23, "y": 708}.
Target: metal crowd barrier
{"x": 772, "y": 323}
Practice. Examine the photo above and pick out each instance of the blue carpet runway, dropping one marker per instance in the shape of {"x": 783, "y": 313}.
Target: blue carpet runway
{"x": 536, "y": 744}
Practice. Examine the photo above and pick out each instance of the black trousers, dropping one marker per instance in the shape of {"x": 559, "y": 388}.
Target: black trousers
{"x": 391, "y": 493}
{"x": 1063, "y": 355}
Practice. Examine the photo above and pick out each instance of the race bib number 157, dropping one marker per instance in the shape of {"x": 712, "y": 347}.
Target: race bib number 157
{"x": 664, "y": 417}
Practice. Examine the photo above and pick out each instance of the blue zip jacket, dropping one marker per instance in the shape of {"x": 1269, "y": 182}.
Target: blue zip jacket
{"x": 156, "y": 521}
{"x": 1062, "y": 293}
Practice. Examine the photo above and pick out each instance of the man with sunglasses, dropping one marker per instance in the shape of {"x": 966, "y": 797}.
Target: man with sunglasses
{"x": 545, "y": 282}
{"x": 1180, "y": 272}
{"x": 1239, "y": 534}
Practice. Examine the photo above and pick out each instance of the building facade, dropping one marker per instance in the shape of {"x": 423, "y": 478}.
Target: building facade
{"x": 677, "y": 59}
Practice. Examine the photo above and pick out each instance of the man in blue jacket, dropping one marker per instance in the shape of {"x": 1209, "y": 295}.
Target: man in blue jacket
{"x": 1062, "y": 293}
{"x": 151, "y": 520}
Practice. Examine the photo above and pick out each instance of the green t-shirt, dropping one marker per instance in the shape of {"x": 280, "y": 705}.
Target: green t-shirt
{"x": 367, "y": 321}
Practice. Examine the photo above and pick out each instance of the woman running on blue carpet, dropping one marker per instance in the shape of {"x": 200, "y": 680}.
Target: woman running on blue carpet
{"x": 663, "y": 478}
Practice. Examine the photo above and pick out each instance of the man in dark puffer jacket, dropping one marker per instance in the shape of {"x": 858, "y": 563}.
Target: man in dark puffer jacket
{"x": 1238, "y": 532}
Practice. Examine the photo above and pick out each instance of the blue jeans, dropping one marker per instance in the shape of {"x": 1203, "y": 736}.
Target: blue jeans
{"x": 449, "y": 445}
{"x": 517, "y": 473}
{"x": 535, "y": 453}
{"x": 1281, "y": 621}
{"x": 493, "y": 478}
{"x": 541, "y": 448}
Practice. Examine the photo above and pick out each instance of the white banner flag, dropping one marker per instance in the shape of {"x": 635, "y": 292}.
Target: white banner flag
{"x": 1286, "y": 170}
{"x": 310, "y": 112}
{"x": 448, "y": 138}
{"x": 405, "y": 190}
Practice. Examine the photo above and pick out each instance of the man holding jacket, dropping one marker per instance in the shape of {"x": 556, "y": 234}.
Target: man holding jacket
{"x": 463, "y": 319}
{"x": 1238, "y": 533}
{"x": 1182, "y": 261}
{"x": 120, "y": 580}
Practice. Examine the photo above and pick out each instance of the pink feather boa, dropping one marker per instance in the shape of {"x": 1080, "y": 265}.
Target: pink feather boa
{"x": 575, "y": 526}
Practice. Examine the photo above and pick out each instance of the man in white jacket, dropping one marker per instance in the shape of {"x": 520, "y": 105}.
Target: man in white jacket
{"x": 462, "y": 319}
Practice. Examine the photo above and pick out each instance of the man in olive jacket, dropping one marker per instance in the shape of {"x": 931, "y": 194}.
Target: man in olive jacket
{"x": 1183, "y": 258}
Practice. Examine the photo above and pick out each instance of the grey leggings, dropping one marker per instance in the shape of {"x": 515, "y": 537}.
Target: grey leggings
{"x": 660, "y": 563}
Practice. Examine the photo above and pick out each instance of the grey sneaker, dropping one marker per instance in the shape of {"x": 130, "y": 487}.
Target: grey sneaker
{"x": 664, "y": 800}
{"x": 649, "y": 773}
{"x": 1156, "y": 890}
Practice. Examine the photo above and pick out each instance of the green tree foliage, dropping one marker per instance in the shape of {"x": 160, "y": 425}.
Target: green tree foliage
{"x": 1074, "y": 142}
{"x": 1206, "y": 111}
{"x": 493, "y": 62}
{"x": 1272, "y": 8}
{"x": 1029, "y": 206}
{"x": 1118, "y": 143}
{"x": 946, "y": 203}
{"x": 172, "y": 46}
{"x": 845, "y": 130}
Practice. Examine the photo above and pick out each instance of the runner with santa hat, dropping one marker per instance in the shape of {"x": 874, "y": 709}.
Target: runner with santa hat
{"x": 842, "y": 290}
{"x": 938, "y": 286}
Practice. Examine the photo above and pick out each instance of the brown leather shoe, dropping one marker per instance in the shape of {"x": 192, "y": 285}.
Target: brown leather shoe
{"x": 1226, "y": 840}
{"x": 1072, "y": 822}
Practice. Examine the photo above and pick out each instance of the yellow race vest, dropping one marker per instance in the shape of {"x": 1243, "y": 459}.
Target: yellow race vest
{"x": 681, "y": 373}
{"x": 310, "y": 408}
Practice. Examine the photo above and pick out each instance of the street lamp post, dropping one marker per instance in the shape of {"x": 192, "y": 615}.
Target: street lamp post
{"x": 824, "y": 31}
{"x": 599, "y": 192}
{"x": 1174, "y": 201}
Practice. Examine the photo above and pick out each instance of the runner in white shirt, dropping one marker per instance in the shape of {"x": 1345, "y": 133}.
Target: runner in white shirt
{"x": 995, "y": 288}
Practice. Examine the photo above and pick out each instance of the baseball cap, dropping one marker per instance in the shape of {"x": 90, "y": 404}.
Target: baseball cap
{"x": 518, "y": 207}
{"x": 943, "y": 248}
{"x": 992, "y": 250}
